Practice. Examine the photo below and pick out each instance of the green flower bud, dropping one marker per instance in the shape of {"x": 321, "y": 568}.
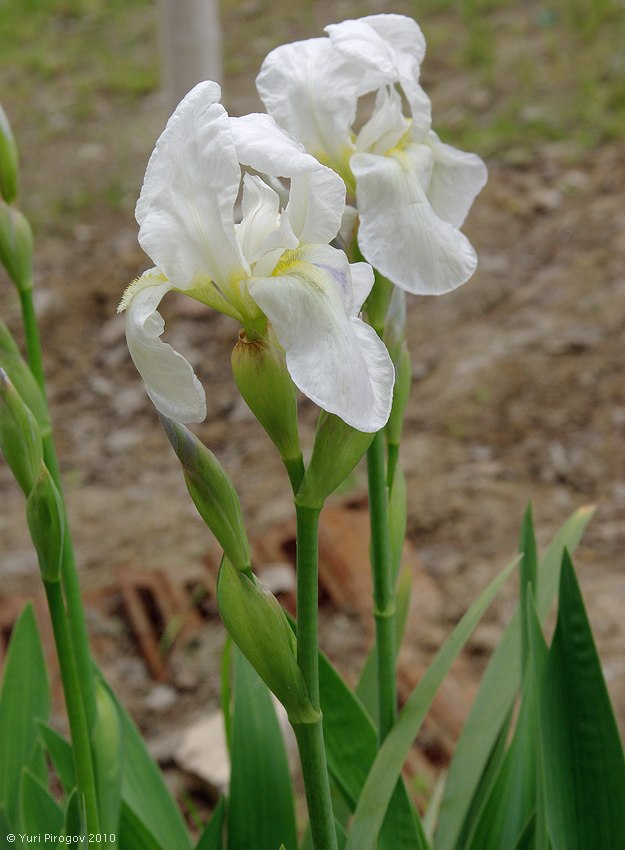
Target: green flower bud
{"x": 259, "y": 627}
{"x": 260, "y": 372}
{"x": 377, "y": 303}
{"x": 8, "y": 160}
{"x": 212, "y": 492}
{"x": 16, "y": 246}
{"x": 338, "y": 448}
{"x": 401, "y": 394}
{"x": 397, "y": 519}
{"x": 107, "y": 747}
{"x": 45, "y": 517}
{"x": 395, "y": 325}
{"x": 23, "y": 379}
{"x": 20, "y": 438}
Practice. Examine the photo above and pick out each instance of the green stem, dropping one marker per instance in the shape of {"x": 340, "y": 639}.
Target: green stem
{"x": 392, "y": 455}
{"x": 81, "y": 747}
{"x": 71, "y": 588}
{"x": 383, "y": 588}
{"x": 310, "y": 735}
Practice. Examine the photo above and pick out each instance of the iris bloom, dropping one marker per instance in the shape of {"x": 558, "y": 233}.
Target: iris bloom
{"x": 272, "y": 266}
{"x": 412, "y": 191}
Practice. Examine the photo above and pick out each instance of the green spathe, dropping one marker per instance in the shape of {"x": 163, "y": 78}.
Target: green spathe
{"x": 45, "y": 517}
{"x": 16, "y": 246}
{"x": 259, "y": 627}
{"x": 20, "y": 438}
{"x": 338, "y": 448}
{"x": 212, "y": 492}
{"x": 401, "y": 394}
{"x": 23, "y": 379}
{"x": 259, "y": 369}
{"x": 8, "y": 160}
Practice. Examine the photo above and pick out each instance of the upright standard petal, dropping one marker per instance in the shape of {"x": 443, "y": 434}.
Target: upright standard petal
{"x": 186, "y": 207}
{"x": 332, "y": 356}
{"x": 312, "y": 90}
{"x": 317, "y": 194}
{"x": 169, "y": 378}
{"x": 400, "y": 234}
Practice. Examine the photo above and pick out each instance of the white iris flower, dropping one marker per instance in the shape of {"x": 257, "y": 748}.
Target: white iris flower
{"x": 275, "y": 265}
{"x": 412, "y": 191}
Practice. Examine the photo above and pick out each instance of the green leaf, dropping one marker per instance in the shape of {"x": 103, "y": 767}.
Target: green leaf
{"x": 39, "y": 812}
{"x": 378, "y": 789}
{"x": 25, "y": 699}
{"x": 495, "y": 697}
{"x": 527, "y": 573}
{"x": 73, "y": 820}
{"x": 512, "y": 800}
{"x": 212, "y": 836}
{"x": 60, "y": 752}
{"x": 144, "y": 791}
{"x": 351, "y": 745}
{"x": 261, "y": 811}
{"x": 584, "y": 764}
{"x": 134, "y": 834}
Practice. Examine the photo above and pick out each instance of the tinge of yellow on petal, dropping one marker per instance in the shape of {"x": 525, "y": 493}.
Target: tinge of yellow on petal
{"x": 145, "y": 280}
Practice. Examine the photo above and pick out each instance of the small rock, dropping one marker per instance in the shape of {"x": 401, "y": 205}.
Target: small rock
{"x": 160, "y": 698}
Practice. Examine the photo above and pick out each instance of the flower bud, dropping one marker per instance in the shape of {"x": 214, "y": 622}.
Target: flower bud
{"x": 20, "y": 438}
{"x": 107, "y": 747}
{"x": 16, "y": 246}
{"x": 260, "y": 372}
{"x": 8, "y": 160}
{"x": 401, "y": 394}
{"x": 338, "y": 448}
{"x": 397, "y": 519}
{"x": 23, "y": 380}
{"x": 395, "y": 325}
{"x": 259, "y": 627}
{"x": 212, "y": 492}
{"x": 377, "y": 303}
{"x": 45, "y": 517}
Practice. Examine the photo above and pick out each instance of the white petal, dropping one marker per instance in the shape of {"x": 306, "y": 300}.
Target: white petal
{"x": 169, "y": 379}
{"x": 362, "y": 284}
{"x": 457, "y": 178}
{"x": 332, "y": 356}
{"x": 391, "y": 44}
{"x": 262, "y": 228}
{"x": 312, "y": 90}
{"x": 386, "y": 126}
{"x": 400, "y": 234}
{"x": 389, "y": 49}
{"x": 317, "y": 194}
{"x": 185, "y": 210}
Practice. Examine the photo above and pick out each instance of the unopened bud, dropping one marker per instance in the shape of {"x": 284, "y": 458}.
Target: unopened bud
{"x": 395, "y": 325}
{"x": 8, "y": 160}
{"x": 20, "y": 437}
{"x": 16, "y": 246}
{"x": 212, "y": 492}
{"x": 259, "y": 627}
{"x": 107, "y": 748}
{"x": 397, "y": 519}
{"x": 260, "y": 372}
{"x": 377, "y": 303}
{"x": 23, "y": 379}
{"x": 401, "y": 394}
{"x": 45, "y": 517}
{"x": 338, "y": 448}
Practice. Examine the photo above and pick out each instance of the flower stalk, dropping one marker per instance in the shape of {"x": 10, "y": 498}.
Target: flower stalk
{"x": 309, "y": 736}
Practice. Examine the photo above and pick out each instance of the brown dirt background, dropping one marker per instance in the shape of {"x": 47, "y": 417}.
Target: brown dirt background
{"x": 518, "y": 390}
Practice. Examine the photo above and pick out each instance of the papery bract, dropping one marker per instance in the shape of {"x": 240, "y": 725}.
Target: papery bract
{"x": 274, "y": 265}
{"x": 412, "y": 191}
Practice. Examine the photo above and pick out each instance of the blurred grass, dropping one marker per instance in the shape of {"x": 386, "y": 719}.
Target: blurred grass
{"x": 505, "y": 77}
